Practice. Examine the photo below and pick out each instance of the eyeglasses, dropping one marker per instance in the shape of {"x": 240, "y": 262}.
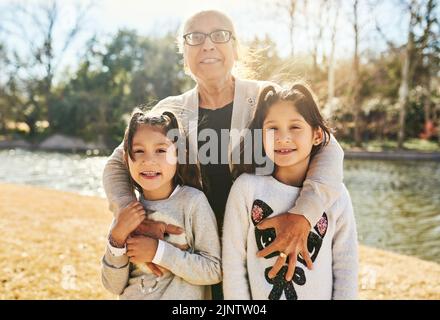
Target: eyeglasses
{"x": 217, "y": 36}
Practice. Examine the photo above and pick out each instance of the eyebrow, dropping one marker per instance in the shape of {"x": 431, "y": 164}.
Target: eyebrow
{"x": 291, "y": 120}
{"x": 156, "y": 145}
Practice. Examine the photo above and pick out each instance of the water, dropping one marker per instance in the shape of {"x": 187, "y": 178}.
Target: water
{"x": 397, "y": 203}
{"x": 63, "y": 171}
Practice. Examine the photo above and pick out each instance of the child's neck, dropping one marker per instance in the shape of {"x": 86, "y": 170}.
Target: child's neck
{"x": 161, "y": 193}
{"x": 292, "y": 175}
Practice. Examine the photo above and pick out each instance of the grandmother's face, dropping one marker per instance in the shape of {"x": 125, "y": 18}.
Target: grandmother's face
{"x": 210, "y": 61}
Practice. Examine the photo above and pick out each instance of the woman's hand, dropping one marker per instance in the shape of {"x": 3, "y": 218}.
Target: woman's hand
{"x": 129, "y": 218}
{"x": 156, "y": 229}
{"x": 141, "y": 249}
{"x": 292, "y": 231}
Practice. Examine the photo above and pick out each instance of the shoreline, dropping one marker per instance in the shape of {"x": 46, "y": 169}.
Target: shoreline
{"x": 60, "y": 258}
{"x": 392, "y": 155}
{"x": 64, "y": 144}
{"x": 405, "y": 155}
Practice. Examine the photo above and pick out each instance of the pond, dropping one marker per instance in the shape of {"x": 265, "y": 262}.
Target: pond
{"x": 397, "y": 203}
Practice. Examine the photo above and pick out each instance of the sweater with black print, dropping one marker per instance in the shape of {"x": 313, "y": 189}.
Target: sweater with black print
{"x": 332, "y": 245}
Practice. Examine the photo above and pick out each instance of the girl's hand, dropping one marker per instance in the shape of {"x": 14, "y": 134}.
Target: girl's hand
{"x": 129, "y": 218}
{"x": 292, "y": 232}
{"x": 141, "y": 249}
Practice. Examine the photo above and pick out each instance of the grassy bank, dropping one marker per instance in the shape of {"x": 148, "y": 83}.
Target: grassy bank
{"x": 54, "y": 242}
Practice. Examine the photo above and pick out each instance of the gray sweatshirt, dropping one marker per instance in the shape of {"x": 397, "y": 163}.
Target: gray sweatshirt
{"x": 191, "y": 272}
{"x": 332, "y": 245}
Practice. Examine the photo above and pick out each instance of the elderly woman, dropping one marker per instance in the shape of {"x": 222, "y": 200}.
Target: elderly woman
{"x": 219, "y": 101}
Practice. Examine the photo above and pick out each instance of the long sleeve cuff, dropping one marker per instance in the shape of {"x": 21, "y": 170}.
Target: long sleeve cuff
{"x": 310, "y": 207}
{"x": 310, "y": 202}
{"x": 159, "y": 252}
{"x": 117, "y": 262}
{"x": 117, "y": 252}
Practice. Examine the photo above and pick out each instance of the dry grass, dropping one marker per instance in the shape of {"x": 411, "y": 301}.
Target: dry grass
{"x": 53, "y": 242}
{"x": 50, "y": 236}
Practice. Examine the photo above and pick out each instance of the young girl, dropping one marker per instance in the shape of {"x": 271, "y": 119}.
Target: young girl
{"x": 168, "y": 189}
{"x": 293, "y": 131}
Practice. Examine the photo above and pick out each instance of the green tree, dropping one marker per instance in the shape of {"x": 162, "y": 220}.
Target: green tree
{"x": 114, "y": 78}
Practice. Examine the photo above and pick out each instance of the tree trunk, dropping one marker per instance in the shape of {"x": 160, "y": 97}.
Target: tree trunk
{"x": 430, "y": 21}
{"x": 427, "y": 100}
{"x": 331, "y": 65}
{"x": 436, "y": 120}
{"x": 32, "y": 124}
{"x": 2, "y": 123}
{"x": 356, "y": 82}
{"x": 404, "y": 85}
{"x": 318, "y": 37}
{"x": 291, "y": 10}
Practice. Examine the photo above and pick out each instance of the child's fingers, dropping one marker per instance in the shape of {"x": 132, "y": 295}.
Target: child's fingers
{"x": 137, "y": 216}
{"x": 137, "y": 209}
{"x": 133, "y": 207}
{"x": 131, "y": 241}
{"x": 140, "y": 214}
{"x": 138, "y": 205}
{"x": 131, "y": 210}
{"x": 134, "y": 220}
{"x": 131, "y": 204}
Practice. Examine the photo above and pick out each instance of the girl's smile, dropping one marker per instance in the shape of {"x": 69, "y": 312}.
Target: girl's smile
{"x": 150, "y": 174}
{"x": 284, "y": 152}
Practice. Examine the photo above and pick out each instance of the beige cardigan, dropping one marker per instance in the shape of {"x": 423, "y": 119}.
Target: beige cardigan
{"x": 324, "y": 177}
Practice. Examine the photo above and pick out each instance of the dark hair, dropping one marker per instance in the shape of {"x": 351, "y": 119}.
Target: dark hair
{"x": 186, "y": 173}
{"x": 302, "y": 99}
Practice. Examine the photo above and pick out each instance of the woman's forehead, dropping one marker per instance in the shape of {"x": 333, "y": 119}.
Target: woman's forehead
{"x": 207, "y": 22}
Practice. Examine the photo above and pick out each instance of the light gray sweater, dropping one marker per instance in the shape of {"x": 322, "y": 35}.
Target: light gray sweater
{"x": 332, "y": 246}
{"x": 191, "y": 272}
{"x": 320, "y": 189}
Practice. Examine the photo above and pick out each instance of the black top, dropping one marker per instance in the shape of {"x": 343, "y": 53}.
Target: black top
{"x": 217, "y": 179}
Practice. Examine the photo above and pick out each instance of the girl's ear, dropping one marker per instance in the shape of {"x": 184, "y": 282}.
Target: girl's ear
{"x": 318, "y": 136}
